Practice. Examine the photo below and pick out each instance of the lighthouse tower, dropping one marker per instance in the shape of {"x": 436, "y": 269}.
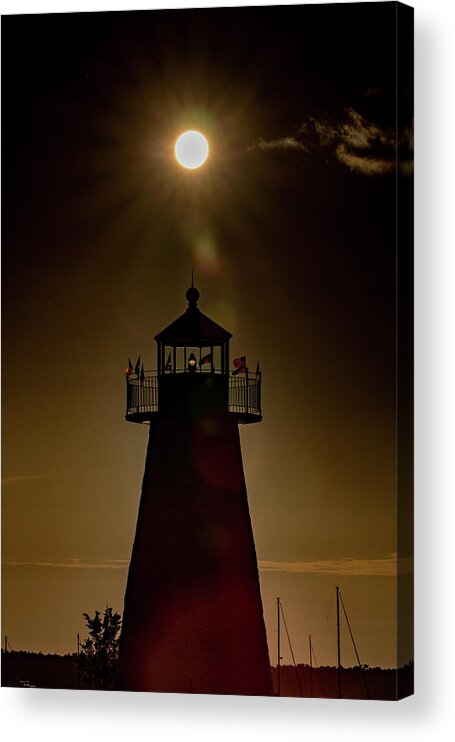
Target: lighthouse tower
{"x": 193, "y": 620}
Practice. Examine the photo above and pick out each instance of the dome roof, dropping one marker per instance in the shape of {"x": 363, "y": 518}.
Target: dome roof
{"x": 193, "y": 327}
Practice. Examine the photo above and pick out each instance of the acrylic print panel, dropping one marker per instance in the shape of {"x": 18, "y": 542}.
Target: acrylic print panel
{"x": 186, "y": 192}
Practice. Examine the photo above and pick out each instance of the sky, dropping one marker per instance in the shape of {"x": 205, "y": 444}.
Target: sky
{"x": 290, "y": 228}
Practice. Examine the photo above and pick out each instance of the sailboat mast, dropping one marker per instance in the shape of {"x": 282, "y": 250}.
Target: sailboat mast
{"x": 338, "y": 643}
{"x": 311, "y": 667}
{"x": 279, "y": 648}
{"x": 355, "y": 647}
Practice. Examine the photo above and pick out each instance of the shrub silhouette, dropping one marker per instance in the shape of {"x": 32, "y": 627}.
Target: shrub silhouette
{"x": 97, "y": 659}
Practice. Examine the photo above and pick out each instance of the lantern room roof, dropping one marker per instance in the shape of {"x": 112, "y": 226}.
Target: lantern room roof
{"x": 193, "y": 327}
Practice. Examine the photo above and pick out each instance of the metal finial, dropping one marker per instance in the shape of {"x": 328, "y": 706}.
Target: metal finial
{"x": 192, "y": 294}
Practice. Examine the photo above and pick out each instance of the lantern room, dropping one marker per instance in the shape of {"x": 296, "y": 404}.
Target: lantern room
{"x": 192, "y": 374}
{"x": 193, "y": 343}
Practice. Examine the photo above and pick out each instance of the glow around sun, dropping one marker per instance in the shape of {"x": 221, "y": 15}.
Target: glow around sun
{"x": 191, "y": 149}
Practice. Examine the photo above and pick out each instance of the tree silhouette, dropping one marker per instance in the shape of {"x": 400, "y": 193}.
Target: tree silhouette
{"x": 97, "y": 660}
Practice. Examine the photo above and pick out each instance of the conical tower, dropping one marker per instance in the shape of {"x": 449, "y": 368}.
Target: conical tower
{"x": 193, "y": 620}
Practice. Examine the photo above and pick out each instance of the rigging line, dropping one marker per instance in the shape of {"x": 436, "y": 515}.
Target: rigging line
{"x": 327, "y": 627}
{"x": 269, "y": 623}
{"x": 292, "y": 651}
{"x": 355, "y": 649}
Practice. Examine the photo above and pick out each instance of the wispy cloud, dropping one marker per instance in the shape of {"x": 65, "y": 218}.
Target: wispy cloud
{"x": 272, "y": 144}
{"x": 26, "y": 478}
{"x": 373, "y": 92}
{"x": 71, "y": 564}
{"x": 359, "y": 133}
{"x": 364, "y": 146}
{"x": 387, "y": 567}
{"x": 356, "y": 142}
{"x": 365, "y": 165}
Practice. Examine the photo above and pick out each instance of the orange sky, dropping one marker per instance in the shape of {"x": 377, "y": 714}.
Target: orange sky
{"x": 293, "y": 246}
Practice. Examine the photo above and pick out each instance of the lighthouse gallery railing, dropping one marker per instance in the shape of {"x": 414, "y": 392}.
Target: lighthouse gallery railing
{"x": 244, "y": 394}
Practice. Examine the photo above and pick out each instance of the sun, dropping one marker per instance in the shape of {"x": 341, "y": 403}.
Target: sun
{"x": 191, "y": 149}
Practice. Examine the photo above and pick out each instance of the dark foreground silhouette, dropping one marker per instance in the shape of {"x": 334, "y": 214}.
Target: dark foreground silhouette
{"x": 28, "y": 669}
{"x": 380, "y": 684}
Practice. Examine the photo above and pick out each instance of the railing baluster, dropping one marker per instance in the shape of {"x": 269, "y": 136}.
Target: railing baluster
{"x": 244, "y": 395}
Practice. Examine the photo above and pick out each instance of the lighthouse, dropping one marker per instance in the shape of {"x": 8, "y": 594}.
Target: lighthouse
{"x": 193, "y": 619}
